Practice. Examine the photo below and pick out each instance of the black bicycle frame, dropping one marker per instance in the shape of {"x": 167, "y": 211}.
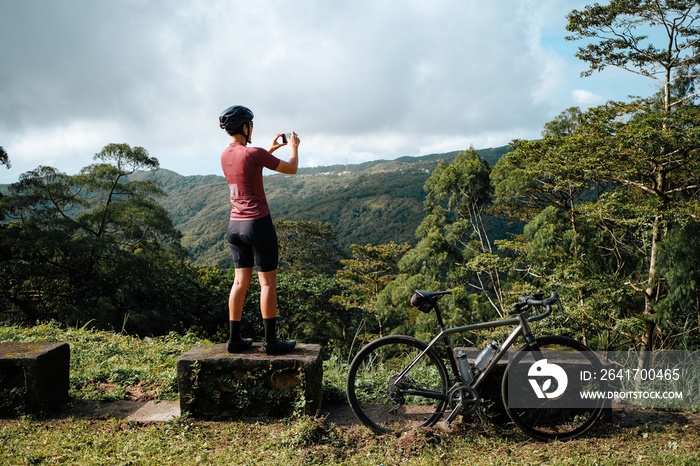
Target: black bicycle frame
{"x": 522, "y": 327}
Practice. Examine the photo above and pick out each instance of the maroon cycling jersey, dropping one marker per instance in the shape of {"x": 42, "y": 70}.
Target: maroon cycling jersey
{"x": 242, "y": 167}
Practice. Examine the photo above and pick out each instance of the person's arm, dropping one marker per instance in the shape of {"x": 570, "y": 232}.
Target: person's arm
{"x": 289, "y": 167}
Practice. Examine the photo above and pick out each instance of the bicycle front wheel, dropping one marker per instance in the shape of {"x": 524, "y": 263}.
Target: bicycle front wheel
{"x": 385, "y": 401}
{"x": 536, "y": 381}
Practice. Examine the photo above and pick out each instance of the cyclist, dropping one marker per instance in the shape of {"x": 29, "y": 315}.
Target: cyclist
{"x": 251, "y": 234}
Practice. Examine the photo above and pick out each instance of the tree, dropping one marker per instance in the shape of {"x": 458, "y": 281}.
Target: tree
{"x": 309, "y": 312}
{"x": 653, "y": 163}
{"x": 455, "y": 252}
{"x": 624, "y": 34}
{"x": 618, "y": 39}
{"x": 4, "y": 249}
{"x": 533, "y": 175}
{"x": 4, "y": 158}
{"x": 681, "y": 265}
{"x": 307, "y": 246}
{"x": 457, "y": 200}
{"x": 364, "y": 276}
{"x": 92, "y": 245}
{"x": 635, "y": 173}
{"x": 565, "y": 124}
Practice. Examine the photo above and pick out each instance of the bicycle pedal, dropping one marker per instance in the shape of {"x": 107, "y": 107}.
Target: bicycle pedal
{"x": 451, "y": 417}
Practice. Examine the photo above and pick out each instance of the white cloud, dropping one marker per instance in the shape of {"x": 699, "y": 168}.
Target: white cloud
{"x": 357, "y": 79}
{"x": 585, "y": 99}
{"x": 69, "y": 147}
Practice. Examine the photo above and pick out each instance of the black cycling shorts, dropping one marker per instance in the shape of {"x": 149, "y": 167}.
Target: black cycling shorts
{"x": 253, "y": 242}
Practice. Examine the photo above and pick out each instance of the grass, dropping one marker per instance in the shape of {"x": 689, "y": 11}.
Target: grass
{"x": 107, "y": 366}
{"x": 314, "y": 441}
{"x": 121, "y": 362}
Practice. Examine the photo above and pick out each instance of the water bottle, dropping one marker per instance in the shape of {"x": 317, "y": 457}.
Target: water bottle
{"x": 485, "y": 355}
{"x": 464, "y": 367}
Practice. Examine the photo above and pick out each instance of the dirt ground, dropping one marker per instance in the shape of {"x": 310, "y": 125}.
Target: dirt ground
{"x": 339, "y": 414}
{"x": 140, "y": 411}
{"x": 629, "y": 417}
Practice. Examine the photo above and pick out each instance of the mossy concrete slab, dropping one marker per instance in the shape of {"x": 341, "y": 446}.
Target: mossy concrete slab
{"x": 215, "y": 384}
{"x": 34, "y": 377}
{"x": 490, "y": 389}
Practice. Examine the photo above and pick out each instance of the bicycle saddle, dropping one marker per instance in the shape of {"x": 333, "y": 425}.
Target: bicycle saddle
{"x": 425, "y": 300}
{"x": 431, "y": 294}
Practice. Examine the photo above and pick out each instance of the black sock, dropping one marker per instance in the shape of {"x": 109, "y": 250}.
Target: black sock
{"x": 234, "y": 330}
{"x": 270, "y": 326}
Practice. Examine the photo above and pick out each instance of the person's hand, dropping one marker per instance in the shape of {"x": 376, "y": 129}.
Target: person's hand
{"x": 277, "y": 143}
{"x": 294, "y": 140}
{"x": 289, "y": 167}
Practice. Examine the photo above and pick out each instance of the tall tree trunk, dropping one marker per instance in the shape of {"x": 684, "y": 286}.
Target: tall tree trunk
{"x": 651, "y": 291}
{"x": 650, "y": 296}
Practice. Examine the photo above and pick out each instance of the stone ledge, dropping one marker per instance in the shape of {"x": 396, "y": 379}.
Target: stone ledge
{"x": 33, "y": 377}
{"x": 490, "y": 389}
{"x": 215, "y": 384}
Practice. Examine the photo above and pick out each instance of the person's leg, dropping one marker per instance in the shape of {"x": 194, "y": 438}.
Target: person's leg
{"x": 243, "y": 261}
{"x": 268, "y": 308}
{"x": 266, "y": 257}
{"x": 268, "y": 294}
{"x": 236, "y": 298}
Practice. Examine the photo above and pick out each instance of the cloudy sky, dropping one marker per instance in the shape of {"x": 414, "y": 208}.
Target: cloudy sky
{"x": 357, "y": 79}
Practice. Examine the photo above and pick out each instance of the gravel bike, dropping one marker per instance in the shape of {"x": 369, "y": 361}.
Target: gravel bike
{"x": 397, "y": 382}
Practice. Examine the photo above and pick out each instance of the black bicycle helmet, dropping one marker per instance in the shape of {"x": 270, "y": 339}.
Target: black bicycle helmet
{"x": 234, "y": 118}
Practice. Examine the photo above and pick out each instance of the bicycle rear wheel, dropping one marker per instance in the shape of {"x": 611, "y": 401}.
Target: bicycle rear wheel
{"x": 536, "y": 402}
{"x": 385, "y": 403}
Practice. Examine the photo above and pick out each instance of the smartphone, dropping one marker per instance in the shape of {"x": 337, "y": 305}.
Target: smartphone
{"x": 286, "y": 137}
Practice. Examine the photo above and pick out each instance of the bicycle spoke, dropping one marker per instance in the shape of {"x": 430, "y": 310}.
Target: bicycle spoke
{"x": 387, "y": 396}
{"x": 552, "y": 419}
{"x": 386, "y": 403}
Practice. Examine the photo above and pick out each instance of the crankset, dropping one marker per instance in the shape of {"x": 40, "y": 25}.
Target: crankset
{"x": 463, "y": 400}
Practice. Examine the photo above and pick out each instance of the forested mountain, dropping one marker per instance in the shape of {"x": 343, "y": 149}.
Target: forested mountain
{"x": 371, "y": 203}
{"x": 607, "y": 204}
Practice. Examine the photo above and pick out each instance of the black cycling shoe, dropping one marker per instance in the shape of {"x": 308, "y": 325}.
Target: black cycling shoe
{"x": 240, "y": 345}
{"x": 279, "y": 347}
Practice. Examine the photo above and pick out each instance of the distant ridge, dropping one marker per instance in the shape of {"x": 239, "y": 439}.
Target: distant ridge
{"x": 369, "y": 203}
{"x": 491, "y": 155}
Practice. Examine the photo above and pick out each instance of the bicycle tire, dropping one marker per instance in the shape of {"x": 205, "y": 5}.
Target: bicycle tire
{"x": 386, "y": 407}
{"x": 553, "y": 419}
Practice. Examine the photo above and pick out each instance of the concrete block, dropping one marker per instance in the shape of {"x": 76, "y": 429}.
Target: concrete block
{"x": 34, "y": 377}
{"x": 215, "y": 385}
{"x": 490, "y": 389}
